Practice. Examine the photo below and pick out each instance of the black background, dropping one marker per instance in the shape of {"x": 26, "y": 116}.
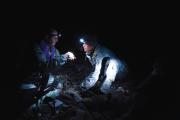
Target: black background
{"x": 139, "y": 35}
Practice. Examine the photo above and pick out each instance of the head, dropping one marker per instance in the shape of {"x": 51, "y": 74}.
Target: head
{"x": 88, "y": 43}
{"x": 52, "y": 37}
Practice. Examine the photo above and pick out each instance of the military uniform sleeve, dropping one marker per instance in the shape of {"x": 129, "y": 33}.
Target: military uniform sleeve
{"x": 110, "y": 74}
{"x": 39, "y": 54}
{"x": 92, "y": 78}
{"x": 60, "y": 58}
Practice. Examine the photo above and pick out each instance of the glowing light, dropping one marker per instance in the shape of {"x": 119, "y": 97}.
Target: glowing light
{"x": 82, "y": 40}
{"x": 71, "y": 55}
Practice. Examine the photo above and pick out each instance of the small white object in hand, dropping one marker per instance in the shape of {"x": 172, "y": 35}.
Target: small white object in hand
{"x": 71, "y": 55}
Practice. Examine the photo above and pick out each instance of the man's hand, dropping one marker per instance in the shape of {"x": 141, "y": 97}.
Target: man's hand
{"x": 70, "y": 56}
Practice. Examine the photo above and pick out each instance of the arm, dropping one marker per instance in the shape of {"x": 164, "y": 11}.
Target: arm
{"x": 92, "y": 78}
{"x": 110, "y": 75}
{"x": 39, "y": 54}
{"x": 61, "y": 59}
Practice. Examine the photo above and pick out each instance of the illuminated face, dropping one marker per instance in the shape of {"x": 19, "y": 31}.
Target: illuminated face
{"x": 53, "y": 40}
{"x": 87, "y": 48}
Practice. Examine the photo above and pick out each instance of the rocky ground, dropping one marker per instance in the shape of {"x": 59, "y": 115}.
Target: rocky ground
{"x": 93, "y": 106}
{"x": 147, "y": 100}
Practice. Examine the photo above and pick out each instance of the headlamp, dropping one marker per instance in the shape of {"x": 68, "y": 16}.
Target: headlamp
{"x": 82, "y": 40}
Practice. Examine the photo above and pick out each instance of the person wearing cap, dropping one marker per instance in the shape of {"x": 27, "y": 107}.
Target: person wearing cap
{"x": 46, "y": 53}
{"x": 107, "y": 66}
{"x": 48, "y": 58}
